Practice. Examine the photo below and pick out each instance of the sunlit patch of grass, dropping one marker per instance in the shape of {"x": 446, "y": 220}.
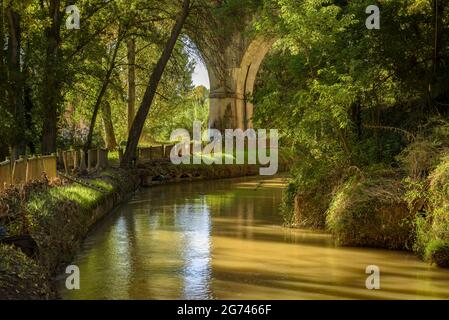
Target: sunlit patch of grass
{"x": 85, "y": 197}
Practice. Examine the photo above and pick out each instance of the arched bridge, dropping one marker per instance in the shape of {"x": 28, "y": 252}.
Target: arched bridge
{"x": 233, "y": 60}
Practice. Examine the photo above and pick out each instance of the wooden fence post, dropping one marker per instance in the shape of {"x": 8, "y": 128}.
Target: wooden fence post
{"x": 168, "y": 150}
{"x": 49, "y": 166}
{"x": 92, "y": 159}
{"x": 102, "y": 159}
{"x": 19, "y": 171}
{"x": 76, "y": 160}
{"x": 66, "y": 162}
{"x": 82, "y": 167}
{"x": 32, "y": 169}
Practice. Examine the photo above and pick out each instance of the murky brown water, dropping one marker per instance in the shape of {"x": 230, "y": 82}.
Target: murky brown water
{"x": 224, "y": 240}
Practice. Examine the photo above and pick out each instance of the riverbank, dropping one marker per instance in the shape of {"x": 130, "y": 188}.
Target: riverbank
{"x": 58, "y": 215}
{"x": 381, "y": 207}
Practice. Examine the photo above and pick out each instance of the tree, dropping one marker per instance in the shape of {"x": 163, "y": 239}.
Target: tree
{"x": 4, "y": 146}
{"x": 16, "y": 89}
{"x": 131, "y": 46}
{"x": 111, "y": 142}
{"x": 142, "y": 113}
{"x": 103, "y": 90}
{"x": 51, "y": 84}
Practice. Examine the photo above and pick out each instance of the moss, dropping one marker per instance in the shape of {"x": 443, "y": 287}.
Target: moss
{"x": 368, "y": 210}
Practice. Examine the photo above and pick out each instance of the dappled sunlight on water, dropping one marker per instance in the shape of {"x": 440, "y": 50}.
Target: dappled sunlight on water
{"x": 224, "y": 240}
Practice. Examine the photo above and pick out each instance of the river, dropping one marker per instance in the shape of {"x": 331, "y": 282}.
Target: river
{"x": 225, "y": 240}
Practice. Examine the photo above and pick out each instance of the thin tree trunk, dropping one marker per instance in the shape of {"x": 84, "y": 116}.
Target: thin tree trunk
{"x": 4, "y": 149}
{"x": 28, "y": 103}
{"x": 142, "y": 113}
{"x": 111, "y": 142}
{"x": 104, "y": 87}
{"x": 131, "y": 81}
{"x": 51, "y": 95}
{"x": 16, "y": 84}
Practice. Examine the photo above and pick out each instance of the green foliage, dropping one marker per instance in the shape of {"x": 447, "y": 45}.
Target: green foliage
{"x": 287, "y": 208}
{"x": 437, "y": 251}
{"x": 178, "y": 112}
{"x": 68, "y": 68}
{"x": 347, "y": 97}
{"x": 368, "y": 210}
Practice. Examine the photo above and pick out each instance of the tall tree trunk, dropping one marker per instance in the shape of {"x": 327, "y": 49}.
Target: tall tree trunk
{"x": 4, "y": 148}
{"x": 142, "y": 113}
{"x": 104, "y": 87}
{"x": 29, "y": 117}
{"x": 16, "y": 84}
{"x": 111, "y": 142}
{"x": 51, "y": 93}
{"x": 131, "y": 81}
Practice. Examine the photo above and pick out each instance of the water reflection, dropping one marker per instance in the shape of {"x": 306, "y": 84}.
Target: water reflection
{"x": 194, "y": 224}
{"x": 224, "y": 240}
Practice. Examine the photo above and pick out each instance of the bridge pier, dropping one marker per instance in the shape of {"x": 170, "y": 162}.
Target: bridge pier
{"x": 232, "y": 83}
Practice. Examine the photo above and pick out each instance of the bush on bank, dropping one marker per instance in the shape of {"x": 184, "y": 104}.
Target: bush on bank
{"x": 369, "y": 210}
{"x": 427, "y": 183}
{"x": 433, "y": 224}
{"x": 309, "y": 193}
{"x": 307, "y": 207}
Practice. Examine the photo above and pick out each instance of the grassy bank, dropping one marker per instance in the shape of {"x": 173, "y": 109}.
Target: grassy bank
{"x": 57, "y": 216}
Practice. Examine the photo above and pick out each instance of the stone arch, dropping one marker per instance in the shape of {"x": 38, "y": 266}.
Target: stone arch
{"x": 237, "y": 84}
{"x": 247, "y": 74}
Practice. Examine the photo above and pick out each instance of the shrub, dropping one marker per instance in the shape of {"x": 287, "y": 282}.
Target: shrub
{"x": 309, "y": 195}
{"x": 437, "y": 251}
{"x": 368, "y": 210}
{"x": 433, "y": 228}
{"x": 311, "y": 206}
